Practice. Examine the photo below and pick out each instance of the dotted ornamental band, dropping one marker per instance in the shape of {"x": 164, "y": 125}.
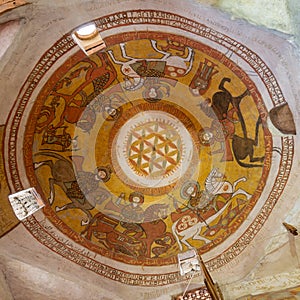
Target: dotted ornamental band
{"x": 127, "y": 18}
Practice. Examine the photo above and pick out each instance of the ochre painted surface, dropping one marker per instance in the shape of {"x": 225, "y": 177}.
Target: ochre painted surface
{"x": 144, "y": 150}
{"x": 6, "y": 5}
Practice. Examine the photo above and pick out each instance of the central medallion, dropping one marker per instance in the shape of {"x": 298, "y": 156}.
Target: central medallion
{"x": 152, "y": 149}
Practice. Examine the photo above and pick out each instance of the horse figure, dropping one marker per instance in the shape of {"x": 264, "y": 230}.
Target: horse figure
{"x": 190, "y": 225}
{"x": 64, "y": 176}
{"x": 155, "y": 229}
{"x": 215, "y": 185}
{"x": 243, "y": 146}
{"x": 137, "y": 69}
{"x": 152, "y": 230}
{"x": 103, "y": 228}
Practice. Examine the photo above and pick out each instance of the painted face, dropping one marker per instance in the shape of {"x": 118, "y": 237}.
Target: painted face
{"x": 207, "y": 136}
{"x": 190, "y": 190}
{"x": 111, "y": 111}
{"x": 152, "y": 93}
{"x": 136, "y": 199}
{"x": 201, "y": 84}
{"x": 101, "y": 174}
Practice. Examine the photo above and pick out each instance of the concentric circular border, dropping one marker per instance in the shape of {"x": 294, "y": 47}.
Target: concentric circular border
{"x": 151, "y": 17}
{"x": 162, "y": 106}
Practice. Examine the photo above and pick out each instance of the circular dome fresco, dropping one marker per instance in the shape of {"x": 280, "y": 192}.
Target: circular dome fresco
{"x": 151, "y": 147}
{"x": 155, "y": 145}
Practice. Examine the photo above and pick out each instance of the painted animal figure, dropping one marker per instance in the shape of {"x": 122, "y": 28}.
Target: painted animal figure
{"x": 219, "y": 105}
{"x": 73, "y": 99}
{"x": 152, "y": 229}
{"x": 155, "y": 229}
{"x": 215, "y": 185}
{"x": 64, "y": 176}
{"x": 221, "y": 108}
{"x": 103, "y": 228}
{"x": 190, "y": 227}
{"x": 46, "y": 116}
{"x": 243, "y": 147}
{"x": 99, "y": 223}
{"x": 179, "y": 47}
{"x": 137, "y": 69}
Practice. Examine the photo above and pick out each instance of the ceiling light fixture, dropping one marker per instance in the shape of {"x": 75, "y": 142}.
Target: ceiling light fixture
{"x": 88, "y": 39}
{"x": 87, "y": 32}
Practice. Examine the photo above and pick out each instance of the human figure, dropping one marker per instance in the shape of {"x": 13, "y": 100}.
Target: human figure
{"x": 133, "y": 212}
{"x": 103, "y": 173}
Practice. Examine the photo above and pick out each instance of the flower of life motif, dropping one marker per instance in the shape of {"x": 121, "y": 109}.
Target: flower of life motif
{"x": 152, "y": 149}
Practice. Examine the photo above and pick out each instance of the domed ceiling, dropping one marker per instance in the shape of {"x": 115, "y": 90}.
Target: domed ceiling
{"x": 158, "y": 144}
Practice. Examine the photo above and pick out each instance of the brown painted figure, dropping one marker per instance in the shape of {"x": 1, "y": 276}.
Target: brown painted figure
{"x": 243, "y": 147}
{"x": 64, "y": 176}
{"x": 202, "y": 79}
{"x": 219, "y": 108}
{"x": 104, "y": 229}
{"x": 134, "y": 238}
{"x": 74, "y": 99}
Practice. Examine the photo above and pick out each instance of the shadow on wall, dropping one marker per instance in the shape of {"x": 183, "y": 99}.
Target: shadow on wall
{"x": 290, "y": 294}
